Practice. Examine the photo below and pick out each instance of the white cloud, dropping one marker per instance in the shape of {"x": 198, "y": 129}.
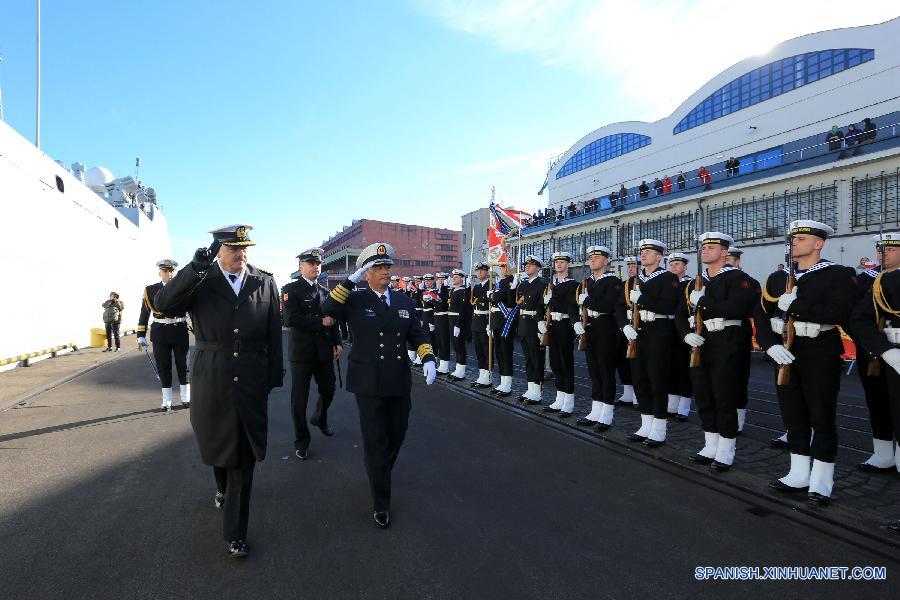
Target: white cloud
{"x": 655, "y": 51}
{"x": 533, "y": 164}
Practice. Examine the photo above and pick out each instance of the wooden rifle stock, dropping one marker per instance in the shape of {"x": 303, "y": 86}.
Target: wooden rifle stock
{"x": 698, "y": 324}
{"x": 874, "y": 368}
{"x": 784, "y": 371}
{"x": 635, "y": 320}
{"x": 548, "y": 318}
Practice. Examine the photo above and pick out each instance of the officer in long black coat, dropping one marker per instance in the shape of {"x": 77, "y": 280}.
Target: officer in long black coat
{"x": 313, "y": 346}
{"x": 378, "y": 370}
{"x": 237, "y": 361}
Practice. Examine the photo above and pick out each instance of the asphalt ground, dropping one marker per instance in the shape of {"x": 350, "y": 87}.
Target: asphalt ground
{"x": 102, "y": 497}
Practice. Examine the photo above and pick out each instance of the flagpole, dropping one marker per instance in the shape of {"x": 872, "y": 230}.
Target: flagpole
{"x": 37, "y": 112}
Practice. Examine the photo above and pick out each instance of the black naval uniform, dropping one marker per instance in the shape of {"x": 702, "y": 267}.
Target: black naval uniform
{"x": 605, "y": 341}
{"x": 460, "y": 313}
{"x": 825, "y": 295}
{"x": 481, "y": 312}
{"x": 379, "y": 374}
{"x": 442, "y": 331}
{"x": 564, "y": 313}
{"x": 530, "y": 312}
{"x": 651, "y": 367}
{"x": 731, "y": 295}
{"x": 237, "y": 361}
{"x": 311, "y": 354}
{"x": 168, "y": 335}
{"x": 504, "y": 324}
{"x": 427, "y": 311}
{"x": 681, "y": 355}
{"x": 864, "y": 325}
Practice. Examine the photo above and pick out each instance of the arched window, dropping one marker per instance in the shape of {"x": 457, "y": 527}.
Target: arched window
{"x": 606, "y": 148}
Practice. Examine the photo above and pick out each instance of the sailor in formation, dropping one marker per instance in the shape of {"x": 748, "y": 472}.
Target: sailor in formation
{"x": 504, "y": 320}
{"x": 680, "y": 391}
{"x": 559, "y": 325}
{"x": 440, "y": 302}
{"x": 624, "y": 369}
{"x": 426, "y": 295}
{"x": 414, "y": 292}
{"x": 809, "y": 358}
{"x": 459, "y": 313}
{"x": 734, "y": 259}
{"x": 480, "y": 300}
{"x": 169, "y": 337}
{"x": 530, "y": 299}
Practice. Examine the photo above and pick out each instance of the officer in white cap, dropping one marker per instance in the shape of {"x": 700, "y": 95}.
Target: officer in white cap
{"x": 530, "y": 298}
{"x": 680, "y": 393}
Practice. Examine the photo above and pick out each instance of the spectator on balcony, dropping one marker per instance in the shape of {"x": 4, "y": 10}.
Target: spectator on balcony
{"x": 572, "y": 209}
{"x": 869, "y": 130}
{"x": 854, "y": 135}
{"x": 623, "y": 193}
{"x": 667, "y": 185}
{"x": 644, "y": 190}
{"x": 732, "y": 166}
{"x": 614, "y": 201}
{"x": 657, "y": 186}
{"x": 835, "y": 138}
{"x": 680, "y": 180}
{"x": 579, "y": 208}
{"x": 705, "y": 177}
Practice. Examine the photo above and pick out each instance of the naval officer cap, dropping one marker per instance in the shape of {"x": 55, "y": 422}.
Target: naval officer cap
{"x": 167, "y": 264}
{"x": 442, "y": 275}
{"x": 428, "y": 277}
{"x": 406, "y": 279}
{"x": 376, "y": 254}
{"x": 481, "y": 266}
{"x": 459, "y": 272}
{"x": 715, "y": 237}
{"x": 598, "y": 251}
{"x": 313, "y": 255}
{"x": 395, "y": 278}
{"x": 651, "y": 244}
{"x": 678, "y": 256}
{"x": 631, "y": 260}
{"x": 735, "y": 251}
{"x": 887, "y": 239}
{"x": 417, "y": 277}
{"x": 808, "y": 227}
{"x": 531, "y": 259}
{"x": 566, "y": 256}
{"x": 234, "y": 235}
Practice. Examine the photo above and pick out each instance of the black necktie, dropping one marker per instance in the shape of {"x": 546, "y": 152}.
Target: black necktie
{"x": 383, "y": 298}
{"x": 233, "y": 278}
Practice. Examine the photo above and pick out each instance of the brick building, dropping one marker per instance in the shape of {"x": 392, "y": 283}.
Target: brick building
{"x": 417, "y": 250}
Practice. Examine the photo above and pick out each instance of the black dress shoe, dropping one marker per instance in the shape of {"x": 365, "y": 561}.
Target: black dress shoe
{"x": 867, "y": 468}
{"x": 681, "y": 418}
{"x": 653, "y": 443}
{"x": 634, "y": 437}
{"x": 219, "y": 500}
{"x": 455, "y": 378}
{"x": 164, "y": 409}
{"x": 673, "y": 415}
{"x": 564, "y": 415}
{"x": 475, "y": 384}
{"x": 238, "y": 549}
{"x": 779, "y": 443}
{"x": 601, "y": 426}
{"x": 531, "y": 402}
{"x": 818, "y": 499}
{"x": 382, "y": 519}
{"x": 502, "y": 394}
{"x": 550, "y": 409}
{"x": 700, "y": 459}
{"x": 326, "y": 430}
{"x": 585, "y": 421}
{"x": 718, "y": 467}
{"x": 185, "y": 405}
{"x": 522, "y": 398}
{"x": 777, "y": 484}
{"x": 301, "y": 454}
{"x": 894, "y": 526}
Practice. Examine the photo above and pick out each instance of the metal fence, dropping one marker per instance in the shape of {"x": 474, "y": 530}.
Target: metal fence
{"x": 677, "y": 230}
{"x": 873, "y": 195}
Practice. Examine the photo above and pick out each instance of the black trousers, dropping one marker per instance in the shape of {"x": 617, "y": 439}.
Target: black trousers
{"x": 651, "y": 367}
{"x": 893, "y": 385}
{"x": 876, "y": 392}
{"x": 562, "y": 355}
{"x": 504, "y": 348}
{"x": 809, "y": 401}
{"x": 602, "y": 354}
{"x": 442, "y": 337}
{"x": 236, "y": 483}
{"x": 680, "y": 383}
{"x": 459, "y": 346}
{"x": 623, "y": 364}
{"x": 301, "y": 374}
{"x": 716, "y": 386}
{"x": 744, "y": 362}
{"x": 534, "y": 358}
{"x": 112, "y": 332}
{"x": 480, "y": 339}
{"x": 169, "y": 341}
{"x": 383, "y": 421}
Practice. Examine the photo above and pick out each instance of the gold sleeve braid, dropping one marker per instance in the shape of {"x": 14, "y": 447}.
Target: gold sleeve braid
{"x": 424, "y": 350}
{"x": 340, "y": 294}
{"x": 879, "y": 300}
{"x": 766, "y": 297}
{"x": 628, "y": 293}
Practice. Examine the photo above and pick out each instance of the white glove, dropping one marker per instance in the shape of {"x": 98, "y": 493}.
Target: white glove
{"x": 548, "y": 294}
{"x": 780, "y": 354}
{"x": 490, "y": 332}
{"x": 515, "y": 282}
{"x": 430, "y": 372}
{"x": 579, "y": 328}
{"x": 784, "y": 302}
{"x": 456, "y": 331}
{"x": 892, "y": 357}
{"x": 431, "y": 327}
{"x": 696, "y": 295}
{"x": 630, "y": 332}
{"x": 360, "y": 273}
{"x": 582, "y": 297}
{"x": 542, "y": 327}
{"x": 142, "y": 341}
{"x": 634, "y": 296}
{"x": 693, "y": 340}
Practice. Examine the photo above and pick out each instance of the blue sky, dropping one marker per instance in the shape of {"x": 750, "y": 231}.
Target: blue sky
{"x": 298, "y": 117}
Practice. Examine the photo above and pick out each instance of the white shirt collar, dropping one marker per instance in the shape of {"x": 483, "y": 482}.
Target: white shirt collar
{"x": 237, "y": 283}
{"x": 310, "y": 281}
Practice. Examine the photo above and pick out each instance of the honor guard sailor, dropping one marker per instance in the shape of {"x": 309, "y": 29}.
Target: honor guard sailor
{"x": 237, "y": 361}
{"x": 459, "y": 313}
{"x": 734, "y": 259}
{"x": 681, "y": 392}
{"x": 442, "y": 333}
{"x": 313, "y": 347}
{"x": 530, "y": 299}
{"x": 378, "y": 371}
{"x": 561, "y": 300}
{"x": 425, "y": 301}
{"x": 623, "y": 366}
{"x": 481, "y": 311}
{"x": 767, "y": 314}
{"x": 169, "y": 336}
{"x": 819, "y": 302}
{"x": 503, "y": 327}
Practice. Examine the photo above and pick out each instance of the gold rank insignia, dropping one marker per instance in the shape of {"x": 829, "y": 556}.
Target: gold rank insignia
{"x": 382, "y": 249}
{"x": 241, "y": 233}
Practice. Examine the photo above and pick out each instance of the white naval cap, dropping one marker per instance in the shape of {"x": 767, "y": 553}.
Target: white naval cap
{"x": 531, "y": 258}
{"x": 566, "y": 256}
{"x": 598, "y": 250}
{"x": 715, "y": 237}
{"x": 376, "y": 254}
{"x": 631, "y": 260}
{"x": 651, "y": 244}
{"x": 891, "y": 238}
{"x": 167, "y": 264}
{"x": 406, "y": 279}
{"x": 806, "y": 226}
{"x": 428, "y": 277}
{"x": 459, "y": 272}
{"x": 735, "y": 251}
{"x": 678, "y": 256}
{"x": 442, "y": 275}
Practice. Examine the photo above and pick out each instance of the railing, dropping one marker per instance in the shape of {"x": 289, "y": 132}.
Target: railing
{"x": 26, "y": 358}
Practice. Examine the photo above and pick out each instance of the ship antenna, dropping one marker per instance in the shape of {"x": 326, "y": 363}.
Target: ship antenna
{"x": 137, "y": 169}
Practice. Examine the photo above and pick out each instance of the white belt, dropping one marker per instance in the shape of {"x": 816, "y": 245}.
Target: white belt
{"x": 720, "y": 323}
{"x": 528, "y": 313}
{"x": 810, "y": 330}
{"x": 481, "y": 312}
{"x": 453, "y": 314}
{"x": 427, "y": 309}
{"x": 594, "y": 314}
{"x": 648, "y": 316}
{"x": 557, "y": 316}
{"x": 495, "y": 309}
{"x": 438, "y": 314}
{"x": 893, "y": 335}
{"x": 170, "y": 321}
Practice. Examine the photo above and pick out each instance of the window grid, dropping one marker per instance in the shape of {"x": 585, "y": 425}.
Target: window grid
{"x": 677, "y": 231}
{"x": 872, "y": 196}
{"x": 772, "y": 80}
{"x": 602, "y": 150}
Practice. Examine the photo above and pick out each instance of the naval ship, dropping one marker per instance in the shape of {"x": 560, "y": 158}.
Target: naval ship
{"x": 70, "y": 236}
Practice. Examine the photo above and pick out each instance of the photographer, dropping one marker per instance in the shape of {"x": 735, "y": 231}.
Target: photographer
{"x": 112, "y": 319}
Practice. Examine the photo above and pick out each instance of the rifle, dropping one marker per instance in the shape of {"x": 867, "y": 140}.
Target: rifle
{"x": 582, "y": 339}
{"x": 874, "y": 368}
{"x": 698, "y": 285}
{"x": 548, "y": 318}
{"x": 635, "y": 313}
{"x": 490, "y": 356}
{"x": 787, "y": 336}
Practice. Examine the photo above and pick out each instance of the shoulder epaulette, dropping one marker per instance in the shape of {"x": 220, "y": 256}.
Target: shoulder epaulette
{"x": 266, "y": 272}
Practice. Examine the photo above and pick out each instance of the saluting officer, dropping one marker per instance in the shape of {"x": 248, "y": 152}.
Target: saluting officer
{"x": 562, "y": 298}
{"x": 383, "y": 322}
{"x": 866, "y": 329}
{"x": 237, "y": 361}
{"x": 820, "y": 301}
{"x": 680, "y": 395}
{"x": 503, "y": 325}
{"x": 442, "y": 335}
{"x": 169, "y": 336}
{"x": 314, "y": 345}
{"x": 459, "y": 310}
{"x": 530, "y": 298}
{"x": 653, "y": 297}
{"x": 605, "y": 342}
{"x": 481, "y": 311}
{"x": 726, "y": 298}
{"x": 623, "y": 365}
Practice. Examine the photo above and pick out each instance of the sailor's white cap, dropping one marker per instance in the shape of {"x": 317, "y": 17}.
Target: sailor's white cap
{"x": 806, "y": 226}
{"x": 459, "y": 272}
{"x": 715, "y": 237}
{"x": 598, "y": 250}
{"x": 567, "y": 256}
{"x": 886, "y": 239}
{"x": 735, "y": 251}
{"x": 651, "y": 244}
{"x": 531, "y": 258}
{"x": 678, "y": 256}
{"x": 167, "y": 264}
